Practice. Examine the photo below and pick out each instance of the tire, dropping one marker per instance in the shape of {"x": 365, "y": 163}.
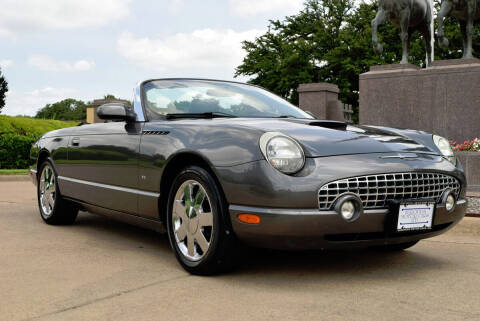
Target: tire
{"x": 197, "y": 225}
{"x": 54, "y": 210}
{"x": 398, "y": 247}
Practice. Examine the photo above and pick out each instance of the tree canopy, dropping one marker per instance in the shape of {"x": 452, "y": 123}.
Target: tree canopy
{"x": 330, "y": 41}
{"x": 67, "y": 109}
{"x": 3, "y": 90}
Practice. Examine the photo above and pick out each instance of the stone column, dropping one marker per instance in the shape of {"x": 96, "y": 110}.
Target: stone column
{"x": 321, "y": 99}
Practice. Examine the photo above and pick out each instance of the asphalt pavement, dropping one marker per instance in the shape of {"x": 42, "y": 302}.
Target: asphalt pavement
{"x": 100, "y": 269}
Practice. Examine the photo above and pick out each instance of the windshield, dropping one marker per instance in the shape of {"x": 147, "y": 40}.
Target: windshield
{"x": 164, "y": 97}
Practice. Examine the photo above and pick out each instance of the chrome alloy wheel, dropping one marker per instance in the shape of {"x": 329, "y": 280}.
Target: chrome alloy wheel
{"x": 47, "y": 191}
{"x": 192, "y": 220}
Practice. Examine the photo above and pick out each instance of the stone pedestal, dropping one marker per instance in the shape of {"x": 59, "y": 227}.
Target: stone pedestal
{"x": 321, "y": 99}
{"x": 443, "y": 99}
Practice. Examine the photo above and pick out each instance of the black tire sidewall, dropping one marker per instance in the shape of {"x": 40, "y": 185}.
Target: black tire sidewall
{"x": 217, "y": 205}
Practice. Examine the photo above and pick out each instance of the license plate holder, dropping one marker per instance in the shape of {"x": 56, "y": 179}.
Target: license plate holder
{"x": 414, "y": 216}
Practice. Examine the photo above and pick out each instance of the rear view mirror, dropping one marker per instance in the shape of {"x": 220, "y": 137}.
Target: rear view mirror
{"x": 116, "y": 111}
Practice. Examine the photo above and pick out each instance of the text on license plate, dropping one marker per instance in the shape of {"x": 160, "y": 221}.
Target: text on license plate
{"x": 415, "y": 216}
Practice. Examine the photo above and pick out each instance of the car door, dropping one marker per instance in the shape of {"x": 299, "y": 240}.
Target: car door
{"x": 102, "y": 167}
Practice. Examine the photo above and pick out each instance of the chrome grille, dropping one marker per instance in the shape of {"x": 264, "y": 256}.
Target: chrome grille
{"x": 376, "y": 191}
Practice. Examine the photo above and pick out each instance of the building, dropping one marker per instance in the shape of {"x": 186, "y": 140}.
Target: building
{"x": 92, "y": 117}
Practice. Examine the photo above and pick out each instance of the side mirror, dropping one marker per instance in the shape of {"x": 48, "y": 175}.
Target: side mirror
{"x": 116, "y": 111}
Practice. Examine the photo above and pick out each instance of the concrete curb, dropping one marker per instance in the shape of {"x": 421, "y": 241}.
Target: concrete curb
{"x": 14, "y": 178}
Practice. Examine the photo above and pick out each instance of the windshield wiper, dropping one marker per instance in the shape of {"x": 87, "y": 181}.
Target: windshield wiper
{"x": 214, "y": 114}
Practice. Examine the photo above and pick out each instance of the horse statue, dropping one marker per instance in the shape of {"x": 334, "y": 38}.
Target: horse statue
{"x": 409, "y": 16}
{"x": 467, "y": 12}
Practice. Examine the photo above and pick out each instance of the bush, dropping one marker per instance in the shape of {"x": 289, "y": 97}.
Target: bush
{"x": 17, "y": 134}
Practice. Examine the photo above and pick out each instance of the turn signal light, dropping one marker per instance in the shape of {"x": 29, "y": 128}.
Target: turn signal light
{"x": 249, "y": 218}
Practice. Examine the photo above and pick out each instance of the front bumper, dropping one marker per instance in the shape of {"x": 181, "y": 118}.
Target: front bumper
{"x": 314, "y": 229}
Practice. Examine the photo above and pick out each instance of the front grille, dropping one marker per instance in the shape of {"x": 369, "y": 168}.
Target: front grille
{"x": 376, "y": 191}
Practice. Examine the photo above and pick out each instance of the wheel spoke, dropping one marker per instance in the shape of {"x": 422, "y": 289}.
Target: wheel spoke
{"x": 202, "y": 242}
{"x": 43, "y": 200}
{"x": 190, "y": 245}
{"x": 182, "y": 231}
{"x": 179, "y": 210}
{"x": 206, "y": 219}
{"x": 42, "y": 186}
{"x": 50, "y": 200}
{"x": 50, "y": 189}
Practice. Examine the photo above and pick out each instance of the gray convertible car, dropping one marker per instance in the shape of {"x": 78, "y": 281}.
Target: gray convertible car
{"x": 216, "y": 163}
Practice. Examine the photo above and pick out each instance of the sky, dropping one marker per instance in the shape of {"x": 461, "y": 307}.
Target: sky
{"x": 85, "y": 49}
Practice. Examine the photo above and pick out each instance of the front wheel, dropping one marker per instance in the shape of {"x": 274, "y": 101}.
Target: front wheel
{"x": 54, "y": 209}
{"x": 197, "y": 229}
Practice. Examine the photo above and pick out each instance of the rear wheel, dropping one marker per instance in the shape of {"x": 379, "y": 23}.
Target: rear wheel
{"x": 54, "y": 209}
{"x": 197, "y": 229}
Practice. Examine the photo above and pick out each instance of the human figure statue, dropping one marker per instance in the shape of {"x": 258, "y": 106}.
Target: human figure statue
{"x": 409, "y": 16}
{"x": 466, "y": 12}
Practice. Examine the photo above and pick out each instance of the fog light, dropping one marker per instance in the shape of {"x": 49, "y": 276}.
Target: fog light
{"x": 347, "y": 210}
{"x": 450, "y": 202}
{"x": 349, "y": 207}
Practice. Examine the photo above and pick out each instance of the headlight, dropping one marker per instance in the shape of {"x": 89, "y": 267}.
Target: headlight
{"x": 444, "y": 146}
{"x": 282, "y": 152}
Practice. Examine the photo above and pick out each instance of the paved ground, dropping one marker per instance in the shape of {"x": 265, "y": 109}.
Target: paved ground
{"x": 99, "y": 269}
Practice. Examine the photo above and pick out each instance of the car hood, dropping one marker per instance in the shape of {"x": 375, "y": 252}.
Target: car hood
{"x": 327, "y": 138}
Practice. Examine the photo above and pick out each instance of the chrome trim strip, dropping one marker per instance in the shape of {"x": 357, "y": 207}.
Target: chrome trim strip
{"x": 290, "y": 211}
{"x": 116, "y": 188}
{"x": 137, "y": 103}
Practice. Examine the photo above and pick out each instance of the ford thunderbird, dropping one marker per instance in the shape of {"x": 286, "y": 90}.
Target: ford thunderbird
{"x": 217, "y": 163}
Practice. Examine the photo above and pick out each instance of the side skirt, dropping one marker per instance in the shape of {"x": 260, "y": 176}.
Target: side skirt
{"x": 146, "y": 223}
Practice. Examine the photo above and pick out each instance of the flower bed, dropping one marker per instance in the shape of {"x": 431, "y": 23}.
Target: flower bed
{"x": 467, "y": 146}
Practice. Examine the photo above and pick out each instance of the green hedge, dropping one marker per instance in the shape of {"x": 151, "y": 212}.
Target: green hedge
{"x": 17, "y": 134}
{"x": 15, "y": 150}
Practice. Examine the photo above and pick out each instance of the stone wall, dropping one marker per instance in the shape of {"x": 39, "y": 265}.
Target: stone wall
{"x": 471, "y": 164}
{"x": 443, "y": 99}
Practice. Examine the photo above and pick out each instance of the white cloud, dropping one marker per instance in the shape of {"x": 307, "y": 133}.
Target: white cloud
{"x": 5, "y": 63}
{"x": 46, "y": 63}
{"x": 32, "y": 15}
{"x": 211, "y": 52}
{"x": 28, "y": 103}
{"x": 247, "y": 8}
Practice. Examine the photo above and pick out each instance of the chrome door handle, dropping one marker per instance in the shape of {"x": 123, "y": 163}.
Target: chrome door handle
{"x": 76, "y": 141}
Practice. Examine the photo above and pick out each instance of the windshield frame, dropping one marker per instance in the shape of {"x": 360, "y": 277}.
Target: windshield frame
{"x": 164, "y": 117}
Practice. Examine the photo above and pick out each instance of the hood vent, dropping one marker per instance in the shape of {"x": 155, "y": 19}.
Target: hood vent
{"x": 155, "y": 132}
{"x": 329, "y": 124}
{"x": 332, "y": 124}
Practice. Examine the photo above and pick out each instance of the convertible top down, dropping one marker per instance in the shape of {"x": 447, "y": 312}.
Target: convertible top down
{"x": 216, "y": 163}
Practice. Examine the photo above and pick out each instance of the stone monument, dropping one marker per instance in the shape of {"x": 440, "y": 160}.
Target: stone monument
{"x": 443, "y": 98}
{"x": 466, "y": 12}
{"x": 409, "y": 16}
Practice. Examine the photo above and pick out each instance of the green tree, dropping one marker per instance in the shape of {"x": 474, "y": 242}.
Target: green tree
{"x": 67, "y": 109}
{"x": 328, "y": 41}
{"x": 3, "y": 90}
{"x": 109, "y": 96}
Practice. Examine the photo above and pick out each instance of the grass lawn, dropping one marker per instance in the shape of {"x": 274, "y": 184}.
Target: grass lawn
{"x": 13, "y": 171}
